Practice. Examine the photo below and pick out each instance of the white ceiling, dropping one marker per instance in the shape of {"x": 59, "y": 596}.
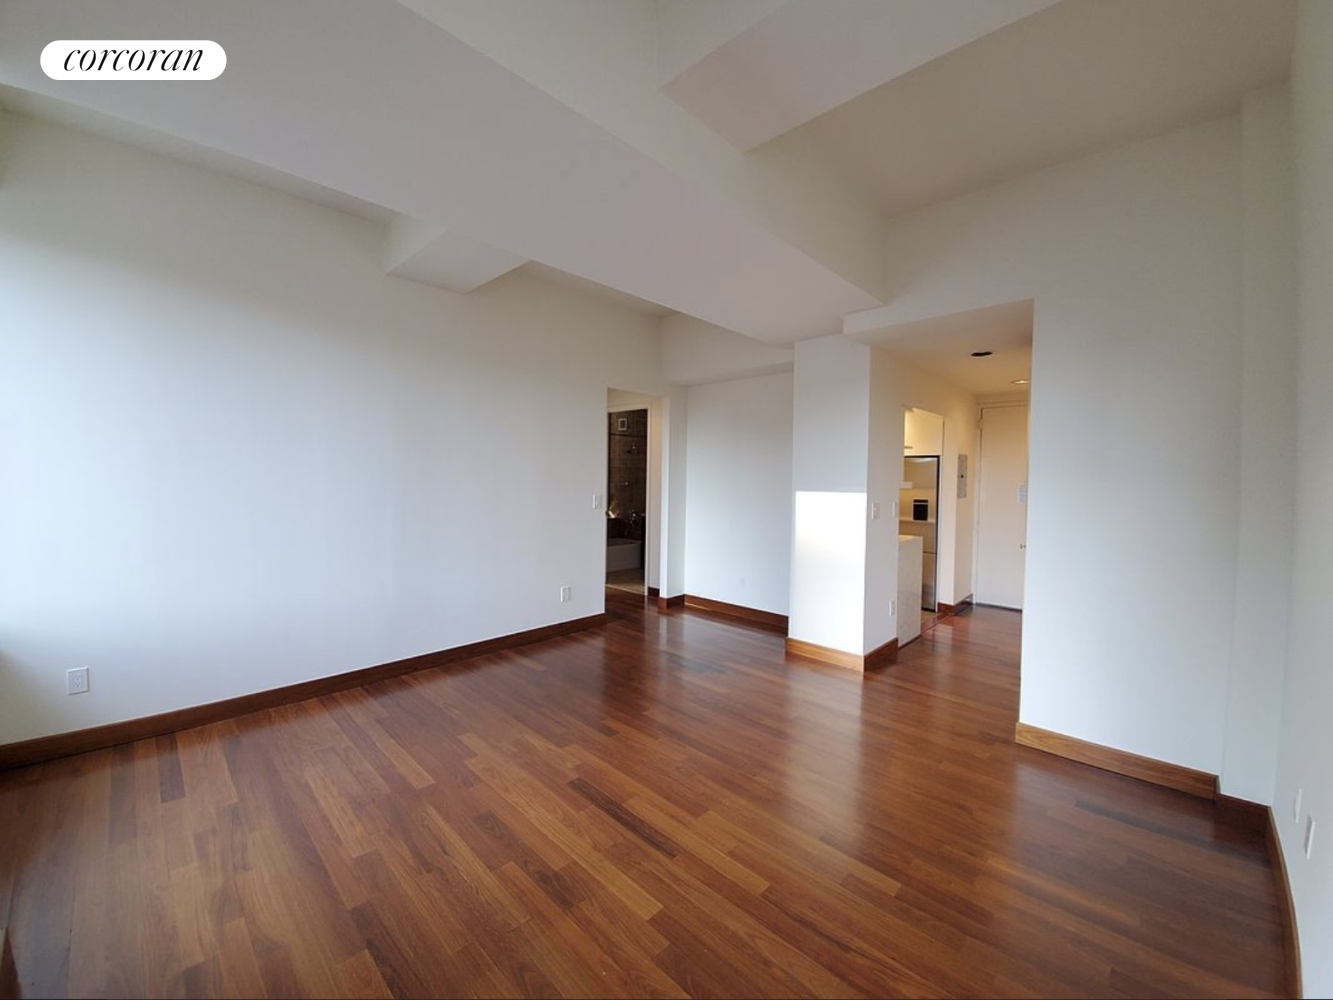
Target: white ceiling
{"x": 735, "y": 162}
{"x": 945, "y": 345}
{"x": 1071, "y": 80}
{"x": 803, "y": 59}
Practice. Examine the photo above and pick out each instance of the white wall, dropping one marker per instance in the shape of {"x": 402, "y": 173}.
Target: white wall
{"x": 1307, "y": 738}
{"x": 1268, "y": 448}
{"x": 237, "y": 456}
{"x": 831, "y": 439}
{"x": 831, "y": 415}
{"x": 1134, "y": 259}
{"x": 738, "y": 492}
{"x": 828, "y": 574}
{"x": 884, "y": 474}
{"x": 848, "y": 433}
{"x": 675, "y": 448}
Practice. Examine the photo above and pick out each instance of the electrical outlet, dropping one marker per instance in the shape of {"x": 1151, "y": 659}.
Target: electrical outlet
{"x": 76, "y": 680}
{"x": 893, "y": 607}
{"x": 564, "y": 594}
{"x": 596, "y": 501}
{"x": 1296, "y": 806}
{"x": 1309, "y": 835}
{"x": 874, "y": 512}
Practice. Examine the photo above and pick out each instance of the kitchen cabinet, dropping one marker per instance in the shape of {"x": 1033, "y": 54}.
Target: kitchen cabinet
{"x": 923, "y": 433}
{"x": 909, "y": 588}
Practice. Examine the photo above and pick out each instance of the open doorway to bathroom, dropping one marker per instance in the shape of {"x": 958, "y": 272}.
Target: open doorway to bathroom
{"x": 626, "y": 499}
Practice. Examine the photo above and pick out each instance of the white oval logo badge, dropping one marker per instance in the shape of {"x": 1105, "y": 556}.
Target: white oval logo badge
{"x": 156, "y": 59}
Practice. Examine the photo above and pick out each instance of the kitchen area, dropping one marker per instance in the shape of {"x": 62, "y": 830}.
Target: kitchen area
{"x": 918, "y": 509}
{"x": 918, "y": 521}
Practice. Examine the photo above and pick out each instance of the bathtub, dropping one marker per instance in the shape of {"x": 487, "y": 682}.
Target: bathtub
{"x": 623, "y": 553}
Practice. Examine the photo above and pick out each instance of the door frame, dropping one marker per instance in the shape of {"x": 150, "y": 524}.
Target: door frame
{"x": 621, "y": 401}
{"x": 976, "y": 477}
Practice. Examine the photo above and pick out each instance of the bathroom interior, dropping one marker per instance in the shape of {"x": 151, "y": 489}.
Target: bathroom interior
{"x": 626, "y": 498}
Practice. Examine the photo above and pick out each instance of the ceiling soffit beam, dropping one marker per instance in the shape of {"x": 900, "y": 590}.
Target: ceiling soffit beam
{"x": 601, "y": 60}
{"x": 419, "y": 122}
{"x": 430, "y": 254}
{"x": 809, "y": 56}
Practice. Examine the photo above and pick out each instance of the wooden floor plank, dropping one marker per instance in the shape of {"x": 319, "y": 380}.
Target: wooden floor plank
{"x": 664, "y": 806}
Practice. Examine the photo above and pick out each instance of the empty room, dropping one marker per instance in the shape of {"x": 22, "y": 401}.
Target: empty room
{"x": 626, "y": 498}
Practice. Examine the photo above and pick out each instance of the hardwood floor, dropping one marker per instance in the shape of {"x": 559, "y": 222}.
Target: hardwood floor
{"x": 665, "y": 806}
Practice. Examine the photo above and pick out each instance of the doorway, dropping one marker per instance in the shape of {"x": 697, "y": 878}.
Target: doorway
{"x": 918, "y": 514}
{"x": 1002, "y": 496}
{"x": 627, "y": 499}
{"x": 919, "y": 498}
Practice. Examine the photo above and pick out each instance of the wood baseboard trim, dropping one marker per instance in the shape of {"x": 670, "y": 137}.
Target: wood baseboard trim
{"x": 1156, "y": 772}
{"x": 1291, "y": 944}
{"x": 654, "y": 593}
{"x": 824, "y": 654}
{"x": 881, "y": 656}
{"x": 943, "y": 610}
{"x": 878, "y": 657}
{"x": 45, "y": 748}
{"x": 625, "y": 599}
{"x": 770, "y": 620}
{"x": 665, "y": 603}
{"x": 1241, "y": 814}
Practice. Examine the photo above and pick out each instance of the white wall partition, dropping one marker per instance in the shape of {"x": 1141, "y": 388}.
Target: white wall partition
{"x": 237, "y": 456}
{"x": 1133, "y": 258}
{"x": 1268, "y": 448}
{"x": 1306, "y": 737}
{"x": 738, "y": 490}
{"x": 830, "y": 443}
{"x": 828, "y": 586}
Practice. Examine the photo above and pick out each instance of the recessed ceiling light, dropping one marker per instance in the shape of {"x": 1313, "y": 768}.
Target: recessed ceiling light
{"x": 1020, "y": 381}
{"x": 982, "y": 354}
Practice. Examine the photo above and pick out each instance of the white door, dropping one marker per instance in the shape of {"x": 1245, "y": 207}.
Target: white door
{"x": 1002, "y": 511}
